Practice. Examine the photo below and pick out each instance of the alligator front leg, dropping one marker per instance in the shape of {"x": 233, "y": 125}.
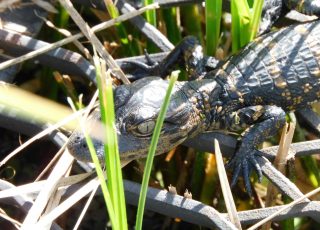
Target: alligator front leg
{"x": 265, "y": 122}
{"x": 309, "y": 7}
{"x": 188, "y": 54}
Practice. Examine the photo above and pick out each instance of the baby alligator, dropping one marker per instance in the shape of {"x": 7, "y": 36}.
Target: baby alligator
{"x": 249, "y": 93}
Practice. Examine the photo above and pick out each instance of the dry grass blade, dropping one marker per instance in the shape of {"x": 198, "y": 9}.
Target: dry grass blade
{"x": 50, "y": 187}
{"x": 22, "y": 104}
{"x": 85, "y": 208}
{"x": 51, "y": 163}
{"x": 45, "y": 108}
{"x": 8, "y": 4}
{"x": 22, "y": 189}
{"x": 67, "y": 33}
{"x": 94, "y": 40}
{"x": 55, "y": 199}
{"x": 65, "y": 41}
{"x": 35, "y": 187}
{"x": 225, "y": 186}
{"x": 69, "y": 202}
{"x": 45, "y": 5}
{"x": 309, "y": 194}
{"x": 5, "y": 216}
{"x": 52, "y": 204}
{"x": 38, "y": 136}
{"x": 279, "y": 163}
{"x": 284, "y": 146}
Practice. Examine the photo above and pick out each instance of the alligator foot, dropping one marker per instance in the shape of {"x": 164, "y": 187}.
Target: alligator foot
{"x": 309, "y": 7}
{"x": 263, "y": 122}
{"x": 243, "y": 162}
{"x": 152, "y": 68}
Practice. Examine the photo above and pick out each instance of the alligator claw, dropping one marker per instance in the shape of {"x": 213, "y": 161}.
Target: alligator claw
{"x": 257, "y": 167}
{"x": 235, "y": 176}
{"x": 243, "y": 163}
{"x": 150, "y": 62}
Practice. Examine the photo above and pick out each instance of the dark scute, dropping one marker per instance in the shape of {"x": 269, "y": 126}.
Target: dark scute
{"x": 121, "y": 95}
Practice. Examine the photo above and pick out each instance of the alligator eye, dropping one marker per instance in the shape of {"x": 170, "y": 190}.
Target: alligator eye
{"x": 145, "y": 128}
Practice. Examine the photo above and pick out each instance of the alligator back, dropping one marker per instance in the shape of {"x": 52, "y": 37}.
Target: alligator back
{"x": 280, "y": 68}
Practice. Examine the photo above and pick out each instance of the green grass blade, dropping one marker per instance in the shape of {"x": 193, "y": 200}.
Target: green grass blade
{"x": 111, "y": 8}
{"x": 104, "y": 188}
{"x": 108, "y": 138}
{"x": 121, "y": 30}
{"x": 213, "y": 21}
{"x": 312, "y": 170}
{"x": 240, "y": 24}
{"x": 150, "y": 14}
{"x": 245, "y": 23}
{"x": 235, "y": 27}
{"x": 255, "y": 20}
{"x": 170, "y": 18}
{"x": 192, "y": 15}
{"x": 111, "y": 124}
{"x": 114, "y": 151}
{"x": 152, "y": 150}
{"x": 152, "y": 19}
{"x": 112, "y": 157}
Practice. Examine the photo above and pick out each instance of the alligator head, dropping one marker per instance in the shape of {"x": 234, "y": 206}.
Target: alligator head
{"x": 137, "y": 107}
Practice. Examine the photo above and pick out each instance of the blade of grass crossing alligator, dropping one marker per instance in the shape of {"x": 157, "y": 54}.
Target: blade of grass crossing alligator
{"x": 104, "y": 188}
{"x": 152, "y": 150}
{"x": 213, "y": 21}
{"x": 112, "y": 158}
{"x": 95, "y": 160}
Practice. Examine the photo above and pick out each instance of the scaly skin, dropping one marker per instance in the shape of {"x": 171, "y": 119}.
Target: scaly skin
{"x": 273, "y": 9}
{"x": 252, "y": 91}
